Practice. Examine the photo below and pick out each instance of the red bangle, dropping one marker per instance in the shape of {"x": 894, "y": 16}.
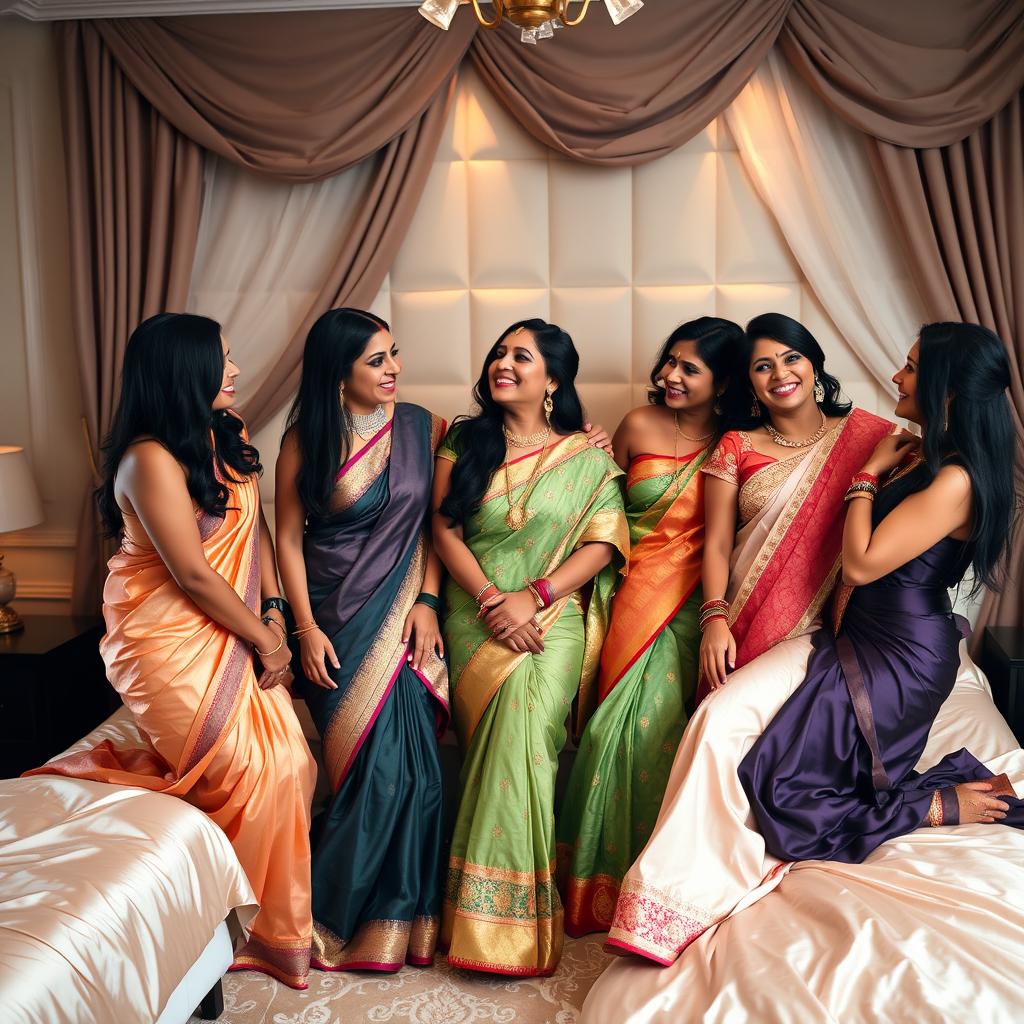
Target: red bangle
{"x": 865, "y": 478}
{"x": 543, "y": 588}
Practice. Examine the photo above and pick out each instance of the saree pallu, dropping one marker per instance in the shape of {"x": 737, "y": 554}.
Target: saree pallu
{"x": 785, "y": 562}
{"x": 377, "y": 854}
{"x": 648, "y": 673}
{"x": 233, "y": 750}
{"x": 502, "y": 912}
{"x": 696, "y": 867}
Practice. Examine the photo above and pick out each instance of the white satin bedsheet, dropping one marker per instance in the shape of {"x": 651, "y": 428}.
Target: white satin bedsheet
{"x": 108, "y": 895}
{"x": 929, "y": 928}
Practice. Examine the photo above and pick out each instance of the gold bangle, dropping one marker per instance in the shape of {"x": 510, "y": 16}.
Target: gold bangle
{"x": 299, "y": 633}
{"x": 483, "y": 590}
{"x": 267, "y": 654}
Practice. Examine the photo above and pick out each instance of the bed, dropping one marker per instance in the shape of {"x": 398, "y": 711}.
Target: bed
{"x": 929, "y": 928}
{"x": 116, "y": 904}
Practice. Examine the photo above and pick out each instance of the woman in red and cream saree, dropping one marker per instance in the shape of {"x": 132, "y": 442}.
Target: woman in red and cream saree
{"x": 784, "y": 566}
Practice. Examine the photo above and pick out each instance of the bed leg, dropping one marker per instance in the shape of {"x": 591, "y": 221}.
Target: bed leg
{"x": 212, "y": 1005}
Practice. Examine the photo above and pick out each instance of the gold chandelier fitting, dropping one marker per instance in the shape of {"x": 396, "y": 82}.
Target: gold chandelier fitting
{"x": 538, "y": 19}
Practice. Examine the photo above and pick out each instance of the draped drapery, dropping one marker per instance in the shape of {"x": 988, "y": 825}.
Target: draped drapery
{"x": 300, "y": 96}
{"x": 960, "y": 210}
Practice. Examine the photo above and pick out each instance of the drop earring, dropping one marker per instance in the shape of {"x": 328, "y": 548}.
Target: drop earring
{"x": 819, "y": 391}
{"x": 716, "y": 406}
{"x": 755, "y": 408}
{"x": 549, "y": 406}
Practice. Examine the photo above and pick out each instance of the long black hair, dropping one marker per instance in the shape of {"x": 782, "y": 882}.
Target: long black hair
{"x": 172, "y": 371}
{"x": 791, "y": 333}
{"x": 480, "y": 438}
{"x": 962, "y": 377}
{"x": 334, "y": 343}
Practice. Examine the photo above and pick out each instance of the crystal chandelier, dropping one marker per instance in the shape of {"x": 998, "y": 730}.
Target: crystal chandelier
{"x": 538, "y": 19}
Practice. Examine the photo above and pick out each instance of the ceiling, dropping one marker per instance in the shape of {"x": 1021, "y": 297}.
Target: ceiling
{"x": 56, "y": 10}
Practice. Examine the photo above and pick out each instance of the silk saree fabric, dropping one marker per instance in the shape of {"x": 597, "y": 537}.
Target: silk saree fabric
{"x": 215, "y": 738}
{"x": 377, "y": 852}
{"x": 648, "y": 673}
{"x": 502, "y": 912}
{"x": 693, "y": 870}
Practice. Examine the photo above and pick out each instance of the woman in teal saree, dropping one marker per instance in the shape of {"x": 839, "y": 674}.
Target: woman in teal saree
{"x": 362, "y": 581}
{"x": 529, "y": 522}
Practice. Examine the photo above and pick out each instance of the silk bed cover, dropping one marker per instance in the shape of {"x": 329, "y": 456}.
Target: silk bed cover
{"x": 929, "y": 928}
{"x": 108, "y": 895}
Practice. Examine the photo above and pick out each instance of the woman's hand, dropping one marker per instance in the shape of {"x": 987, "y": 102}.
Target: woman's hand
{"x": 598, "y": 437}
{"x": 526, "y": 639}
{"x": 275, "y": 662}
{"x": 891, "y": 451}
{"x": 717, "y": 652}
{"x": 976, "y": 806}
{"x": 504, "y": 614}
{"x": 316, "y": 650}
{"x": 422, "y": 626}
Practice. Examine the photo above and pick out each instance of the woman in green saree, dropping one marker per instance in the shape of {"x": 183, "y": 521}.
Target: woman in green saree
{"x": 529, "y": 523}
{"x": 650, "y": 657}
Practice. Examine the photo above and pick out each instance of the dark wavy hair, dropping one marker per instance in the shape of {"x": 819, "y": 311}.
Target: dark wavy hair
{"x": 791, "y": 333}
{"x": 480, "y": 438}
{"x": 172, "y": 371}
{"x": 334, "y": 343}
{"x": 962, "y": 377}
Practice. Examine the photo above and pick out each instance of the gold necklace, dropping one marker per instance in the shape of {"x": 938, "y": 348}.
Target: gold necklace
{"x": 526, "y": 441}
{"x": 682, "y": 433}
{"x": 805, "y": 443}
{"x": 517, "y": 516}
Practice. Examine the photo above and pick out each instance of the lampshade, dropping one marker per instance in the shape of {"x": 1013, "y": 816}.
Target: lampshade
{"x": 20, "y": 506}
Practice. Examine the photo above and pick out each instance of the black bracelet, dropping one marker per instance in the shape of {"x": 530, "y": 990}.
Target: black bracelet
{"x": 430, "y": 600}
{"x": 277, "y": 603}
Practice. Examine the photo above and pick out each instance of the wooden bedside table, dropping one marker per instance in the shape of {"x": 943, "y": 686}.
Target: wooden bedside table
{"x": 1002, "y": 660}
{"x": 53, "y": 689}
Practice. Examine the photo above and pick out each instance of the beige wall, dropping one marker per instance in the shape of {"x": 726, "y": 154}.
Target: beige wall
{"x": 506, "y": 229}
{"x": 40, "y": 405}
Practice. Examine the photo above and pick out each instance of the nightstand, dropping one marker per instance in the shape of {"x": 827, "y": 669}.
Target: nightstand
{"x": 53, "y": 689}
{"x": 1002, "y": 659}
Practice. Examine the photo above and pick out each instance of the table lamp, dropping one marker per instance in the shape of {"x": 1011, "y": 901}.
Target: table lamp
{"x": 20, "y": 508}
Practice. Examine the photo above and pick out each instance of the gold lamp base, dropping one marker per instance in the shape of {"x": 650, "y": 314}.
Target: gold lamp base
{"x": 10, "y": 620}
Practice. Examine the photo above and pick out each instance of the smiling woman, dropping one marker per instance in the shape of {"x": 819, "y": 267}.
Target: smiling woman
{"x": 528, "y": 515}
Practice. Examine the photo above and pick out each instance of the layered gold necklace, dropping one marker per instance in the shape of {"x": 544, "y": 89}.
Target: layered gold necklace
{"x": 805, "y": 442}
{"x": 517, "y": 516}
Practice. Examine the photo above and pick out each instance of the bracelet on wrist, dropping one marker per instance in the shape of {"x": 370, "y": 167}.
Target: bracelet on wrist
{"x": 431, "y": 601}
{"x": 865, "y": 478}
{"x": 267, "y": 654}
{"x": 542, "y": 592}
{"x": 478, "y": 597}
{"x": 269, "y": 620}
{"x": 276, "y": 603}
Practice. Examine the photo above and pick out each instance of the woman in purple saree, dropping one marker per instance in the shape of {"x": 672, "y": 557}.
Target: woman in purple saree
{"x": 832, "y": 777}
{"x": 362, "y": 581}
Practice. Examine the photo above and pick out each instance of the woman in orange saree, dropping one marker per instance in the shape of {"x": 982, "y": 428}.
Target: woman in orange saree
{"x": 782, "y": 568}
{"x": 649, "y": 659}
{"x": 180, "y": 604}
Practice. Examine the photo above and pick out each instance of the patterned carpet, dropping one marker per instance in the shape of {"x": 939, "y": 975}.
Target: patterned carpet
{"x": 437, "y": 995}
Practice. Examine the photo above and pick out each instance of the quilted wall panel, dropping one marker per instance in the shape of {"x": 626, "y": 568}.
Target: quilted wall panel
{"x": 618, "y": 257}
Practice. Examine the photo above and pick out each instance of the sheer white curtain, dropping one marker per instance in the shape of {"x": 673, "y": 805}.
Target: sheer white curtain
{"x": 263, "y": 253}
{"x": 814, "y": 173}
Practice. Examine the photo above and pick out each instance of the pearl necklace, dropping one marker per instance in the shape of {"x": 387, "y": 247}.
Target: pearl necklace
{"x": 367, "y": 426}
{"x": 805, "y": 443}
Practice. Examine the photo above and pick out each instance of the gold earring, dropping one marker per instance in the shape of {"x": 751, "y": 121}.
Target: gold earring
{"x": 755, "y": 407}
{"x": 716, "y": 405}
{"x": 549, "y": 406}
{"x": 819, "y": 390}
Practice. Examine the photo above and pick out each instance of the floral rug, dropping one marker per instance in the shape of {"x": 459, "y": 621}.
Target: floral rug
{"x": 435, "y": 995}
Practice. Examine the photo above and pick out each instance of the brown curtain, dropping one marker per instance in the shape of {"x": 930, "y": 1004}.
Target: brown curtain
{"x": 300, "y": 96}
{"x": 134, "y": 196}
{"x": 626, "y": 94}
{"x": 960, "y": 210}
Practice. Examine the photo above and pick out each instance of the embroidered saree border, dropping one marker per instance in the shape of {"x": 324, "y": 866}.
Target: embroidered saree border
{"x": 650, "y": 922}
{"x": 358, "y": 475}
{"x": 371, "y": 683}
{"x": 590, "y": 902}
{"x": 378, "y": 945}
{"x": 288, "y": 963}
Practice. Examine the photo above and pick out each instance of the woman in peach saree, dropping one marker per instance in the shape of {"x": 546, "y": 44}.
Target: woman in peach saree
{"x": 180, "y": 604}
